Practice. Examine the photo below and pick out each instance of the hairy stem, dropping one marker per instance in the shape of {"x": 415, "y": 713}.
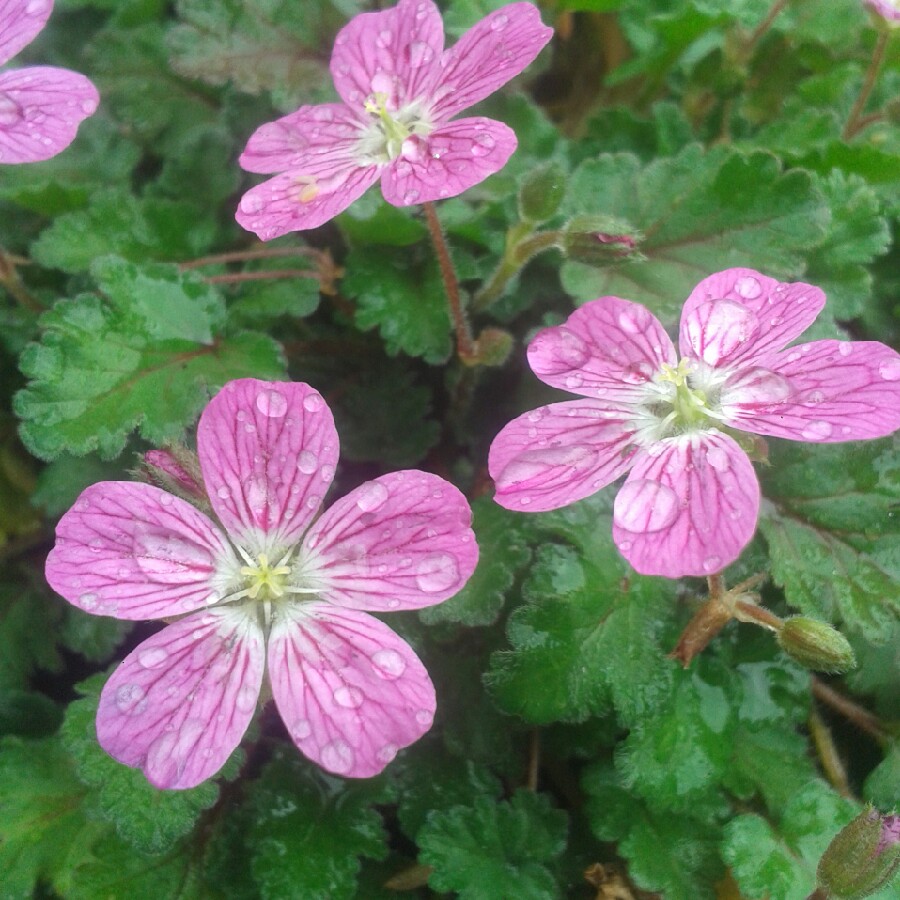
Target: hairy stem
{"x": 465, "y": 346}
{"x": 829, "y": 757}
{"x": 854, "y": 123}
{"x": 517, "y": 255}
{"x": 860, "y": 717}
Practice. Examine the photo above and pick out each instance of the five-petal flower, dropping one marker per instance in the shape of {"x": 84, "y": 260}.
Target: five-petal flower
{"x": 41, "y": 107}
{"x": 400, "y": 89}
{"x": 691, "y": 499}
{"x": 263, "y": 590}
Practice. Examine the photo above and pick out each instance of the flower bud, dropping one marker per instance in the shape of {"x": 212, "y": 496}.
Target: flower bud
{"x": 862, "y": 858}
{"x": 816, "y": 645}
{"x": 492, "y": 347}
{"x": 541, "y": 192}
{"x": 600, "y": 240}
{"x": 176, "y": 470}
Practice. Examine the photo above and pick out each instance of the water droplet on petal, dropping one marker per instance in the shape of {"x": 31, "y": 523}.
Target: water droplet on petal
{"x": 385, "y": 36}
{"x": 37, "y": 7}
{"x": 223, "y": 492}
{"x": 845, "y": 348}
{"x": 152, "y": 657}
{"x": 337, "y": 757}
{"x": 411, "y": 196}
{"x": 307, "y": 462}
{"x": 252, "y": 203}
{"x": 813, "y": 398}
{"x": 498, "y": 23}
{"x": 130, "y": 699}
{"x": 627, "y": 322}
{"x": 371, "y": 495}
{"x": 720, "y": 327}
{"x": 817, "y": 431}
{"x": 312, "y": 402}
{"x": 718, "y": 458}
{"x": 643, "y": 506}
{"x": 349, "y": 697}
{"x": 575, "y": 380}
{"x": 301, "y": 730}
{"x": 551, "y": 464}
{"x": 712, "y": 563}
{"x": 272, "y": 403}
{"x": 889, "y": 370}
{"x": 425, "y": 717}
{"x": 88, "y": 601}
{"x": 387, "y": 753}
{"x": 389, "y": 664}
{"x": 482, "y": 144}
{"x": 246, "y": 698}
{"x": 747, "y": 287}
{"x": 437, "y": 572}
{"x": 420, "y": 53}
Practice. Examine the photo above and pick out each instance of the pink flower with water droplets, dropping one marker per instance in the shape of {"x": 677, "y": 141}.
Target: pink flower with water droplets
{"x": 889, "y": 10}
{"x": 41, "y": 107}
{"x": 691, "y": 499}
{"x": 400, "y": 89}
{"x": 264, "y": 589}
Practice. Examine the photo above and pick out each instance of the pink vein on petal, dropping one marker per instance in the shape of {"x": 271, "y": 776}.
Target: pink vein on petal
{"x": 178, "y": 704}
{"x": 687, "y": 509}
{"x": 350, "y": 691}
{"x": 134, "y": 551}
{"x": 20, "y": 23}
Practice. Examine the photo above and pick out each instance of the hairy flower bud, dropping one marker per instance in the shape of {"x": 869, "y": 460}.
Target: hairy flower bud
{"x": 862, "y": 858}
{"x": 600, "y": 240}
{"x": 816, "y": 645}
{"x": 541, "y": 192}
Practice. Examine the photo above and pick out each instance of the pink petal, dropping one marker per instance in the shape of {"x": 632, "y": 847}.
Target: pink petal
{"x": 557, "y": 454}
{"x": 180, "y": 703}
{"x": 402, "y": 541}
{"x": 824, "y": 391}
{"x": 689, "y": 508}
{"x": 320, "y": 139}
{"x": 135, "y": 552}
{"x": 739, "y": 316}
{"x": 350, "y": 691}
{"x": 297, "y": 201}
{"x": 608, "y": 348}
{"x": 40, "y": 111}
{"x": 394, "y": 53}
{"x": 268, "y": 452}
{"x": 449, "y": 161}
{"x": 488, "y": 55}
{"x": 20, "y": 23}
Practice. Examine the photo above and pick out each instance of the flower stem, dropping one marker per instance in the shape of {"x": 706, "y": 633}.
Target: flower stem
{"x": 829, "y": 757}
{"x": 9, "y": 278}
{"x": 854, "y": 123}
{"x": 860, "y": 717}
{"x": 517, "y": 255}
{"x": 236, "y": 277}
{"x": 245, "y": 255}
{"x": 766, "y": 23}
{"x": 465, "y": 346}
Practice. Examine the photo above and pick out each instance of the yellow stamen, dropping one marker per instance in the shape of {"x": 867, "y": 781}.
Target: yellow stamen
{"x": 266, "y": 577}
{"x": 309, "y": 188}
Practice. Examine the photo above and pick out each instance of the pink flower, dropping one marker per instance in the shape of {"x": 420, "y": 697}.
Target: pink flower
{"x": 690, "y": 502}
{"x": 887, "y": 9}
{"x": 261, "y": 587}
{"x": 41, "y": 107}
{"x": 400, "y": 89}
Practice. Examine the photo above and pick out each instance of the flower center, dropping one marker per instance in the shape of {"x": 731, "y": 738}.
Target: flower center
{"x": 689, "y": 404}
{"x": 383, "y": 140}
{"x": 265, "y": 581}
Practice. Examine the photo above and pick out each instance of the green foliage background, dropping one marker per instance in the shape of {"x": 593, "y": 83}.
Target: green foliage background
{"x": 710, "y": 133}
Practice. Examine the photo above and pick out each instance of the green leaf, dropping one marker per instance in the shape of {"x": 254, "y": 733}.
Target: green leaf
{"x": 43, "y": 833}
{"x": 676, "y": 855}
{"x": 27, "y": 626}
{"x": 118, "y": 222}
{"x": 503, "y": 543}
{"x": 144, "y": 357}
{"x": 404, "y": 301}
{"x": 372, "y": 220}
{"x": 882, "y": 787}
{"x": 265, "y": 303}
{"x": 495, "y": 850}
{"x": 832, "y": 531}
{"x": 780, "y": 861}
{"x": 428, "y": 779}
{"x": 308, "y": 831}
{"x": 587, "y": 636}
{"x": 149, "y": 819}
{"x": 700, "y": 213}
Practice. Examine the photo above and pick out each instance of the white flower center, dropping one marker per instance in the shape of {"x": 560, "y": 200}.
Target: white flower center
{"x": 392, "y": 132}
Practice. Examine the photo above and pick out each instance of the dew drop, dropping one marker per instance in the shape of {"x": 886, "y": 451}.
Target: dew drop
{"x": 534, "y": 464}
{"x": 424, "y": 717}
{"x": 252, "y": 203}
{"x": 272, "y": 403}
{"x": 246, "y": 699}
{"x": 130, "y": 699}
{"x": 817, "y": 431}
{"x": 575, "y": 380}
{"x": 814, "y": 397}
{"x": 152, "y": 657}
{"x": 643, "y": 506}
{"x": 747, "y": 287}
{"x": 385, "y": 36}
{"x": 482, "y": 144}
{"x": 349, "y": 697}
{"x": 498, "y": 23}
{"x": 411, "y": 196}
{"x": 845, "y": 348}
{"x": 712, "y": 563}
{"x": 387, "y": 753}
{"x": 312, "y": 402}
{"x": 420, "y": 54}
{"x": 307, "y": 462}
{"x": 628, "y": 323}
{"x": 437, "y": 572}
{"x": 889, "y": 370}
{"x": 327, "y": 473}
{"x": 37, "y": 7}
{"x": 337, "y": 757}
{"x": 371, "y": 495}
{"x": 301, "y": 730}
{"x": 88, "y": 601}
{"x": 718, "y": 459}
{"x": 389, "y": 664}
{"x": 223, "y": 493}
{"x": 402, "y": 169}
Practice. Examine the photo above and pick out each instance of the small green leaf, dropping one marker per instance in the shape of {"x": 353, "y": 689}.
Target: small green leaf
{"x": 308, "y": 831}
{"x": 118, "y": 222}
{"x": 495, "y": 850}
{"x": 404, "y": 301}
{"x": 262, "y": 304}
{"x": 832, "y": 531}
{"x": 503, "y": 542}
{"x": 149, "y": 819}
{"x": 144, "y": 357}
{"x": 700, "y": 212}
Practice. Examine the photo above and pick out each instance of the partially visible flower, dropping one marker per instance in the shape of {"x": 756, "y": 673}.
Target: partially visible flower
{"x": 400, "y": 89}
{"x": 264, "y": 591}
{"x": 41, "y": 107}
{"x": 691, "y": 499}
{"x": 887, "y": 9}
